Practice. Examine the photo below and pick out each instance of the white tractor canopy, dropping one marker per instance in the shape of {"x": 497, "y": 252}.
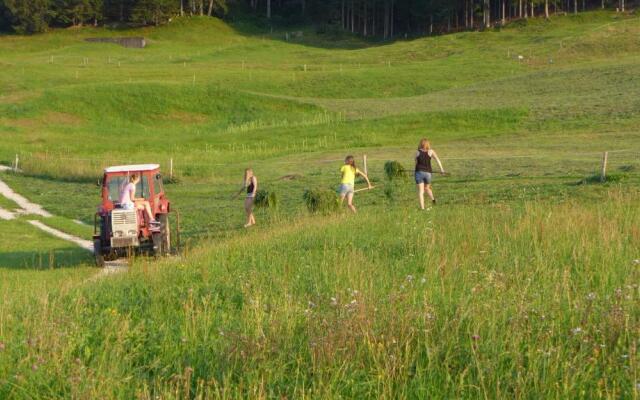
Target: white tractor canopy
{"x": 132, "y": 168}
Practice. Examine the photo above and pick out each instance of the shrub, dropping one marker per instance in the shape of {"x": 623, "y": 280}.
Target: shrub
{"x": 265, "y": 199}
{"x": 321, "y": 200}
{"x": 394, "y": 170}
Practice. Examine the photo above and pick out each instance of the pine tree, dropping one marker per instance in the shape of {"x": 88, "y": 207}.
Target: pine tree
{"x": 28, "y": 16}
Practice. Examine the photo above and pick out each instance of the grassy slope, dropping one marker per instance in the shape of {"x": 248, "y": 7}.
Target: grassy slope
{"x": 513, "y": 299}
{"x": 510, "y": 257}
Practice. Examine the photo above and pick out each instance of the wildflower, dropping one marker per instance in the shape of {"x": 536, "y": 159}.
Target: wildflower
{"x": 576, "y": 331}
{"x": 312, "y": 304}
{"x": 34, "y": 367}
{"x": 475, "y": 337}
{"x": 351, "y": 304}
{"x": 409, "y": 278}
{"x": 221, "y": 333}
{"x": 423, "y": 280}
{"x": 625, "y": 356}
{"x": 591, "y": 296}
{"x": 636, "y": 262}
{"x": 334, "y": 301}
{"x": 184, "y": 339}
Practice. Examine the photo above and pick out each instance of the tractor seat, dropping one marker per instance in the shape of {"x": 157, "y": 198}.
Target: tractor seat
{"x": 117, "y": 205}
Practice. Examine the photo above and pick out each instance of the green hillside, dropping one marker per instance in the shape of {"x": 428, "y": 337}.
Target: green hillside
{"x": 521, "y": 283}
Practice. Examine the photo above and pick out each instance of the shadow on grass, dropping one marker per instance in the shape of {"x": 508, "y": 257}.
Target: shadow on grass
{"x": 33, "y": 260}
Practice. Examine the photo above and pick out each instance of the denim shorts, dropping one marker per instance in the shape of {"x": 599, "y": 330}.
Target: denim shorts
{"x": 345, "y": 189}
{"x": 423, "y": 177}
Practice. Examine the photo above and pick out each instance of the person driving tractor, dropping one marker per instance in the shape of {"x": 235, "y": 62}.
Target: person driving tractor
{"x": 129, "y": 201}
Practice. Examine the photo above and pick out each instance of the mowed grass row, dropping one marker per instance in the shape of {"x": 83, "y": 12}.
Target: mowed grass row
{"x": 521, "y": 299}
{"x": 151, "y": 109}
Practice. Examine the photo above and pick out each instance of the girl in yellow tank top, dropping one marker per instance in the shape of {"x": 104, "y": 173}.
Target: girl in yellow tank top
{"x": 349, "y": 171}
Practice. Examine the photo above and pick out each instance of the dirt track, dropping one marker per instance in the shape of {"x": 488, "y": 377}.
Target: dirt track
{"x": 27, "y": 207}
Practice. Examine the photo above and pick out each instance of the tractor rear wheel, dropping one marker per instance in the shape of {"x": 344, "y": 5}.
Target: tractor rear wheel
{"x": 162, "y": 239}
{"x": 97, "y": 252}
{"x": 165, "y": 230}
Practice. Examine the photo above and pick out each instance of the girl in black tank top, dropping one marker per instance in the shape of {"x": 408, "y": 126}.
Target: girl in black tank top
{"x": 250, "y": 183}
{"x": 424, "y": 170}
{"x": 423, "y": 161}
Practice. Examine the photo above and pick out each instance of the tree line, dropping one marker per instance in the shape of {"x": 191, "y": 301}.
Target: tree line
{"x": 376, "y": 18}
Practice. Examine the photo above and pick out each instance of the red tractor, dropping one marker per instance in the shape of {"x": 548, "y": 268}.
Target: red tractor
{"x": 121, "y": 232}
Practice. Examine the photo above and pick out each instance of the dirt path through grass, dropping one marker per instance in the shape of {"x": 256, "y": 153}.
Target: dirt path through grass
{"x": 26, "y": 205}
{"x": 85, "y": 244}
{"x": 6, "y": 214}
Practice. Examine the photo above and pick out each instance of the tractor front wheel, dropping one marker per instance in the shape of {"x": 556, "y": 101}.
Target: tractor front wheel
{"x": 97, "y": 252}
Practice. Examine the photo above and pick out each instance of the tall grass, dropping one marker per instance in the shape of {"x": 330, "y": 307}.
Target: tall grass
{"x": 515, "y": 300}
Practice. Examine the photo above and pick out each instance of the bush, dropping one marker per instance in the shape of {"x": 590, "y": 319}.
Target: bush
{"x": 265, "y": 199}
{"x": 321, "y": 200}
{"x": 394, "y": 170}
{"x": 596, "y": 179}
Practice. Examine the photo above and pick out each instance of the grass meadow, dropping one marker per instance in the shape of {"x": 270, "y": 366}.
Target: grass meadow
{"x": 521, "y": 283}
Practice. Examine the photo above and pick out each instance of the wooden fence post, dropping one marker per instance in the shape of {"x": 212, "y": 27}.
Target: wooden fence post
{"x": 365, "y": 165}
{"x": 171, "y": 168}
{"x": 603, "y": 171}
{"x": 15, "y": 165}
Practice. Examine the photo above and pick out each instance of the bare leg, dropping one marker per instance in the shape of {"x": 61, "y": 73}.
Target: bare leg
{"x": 144, "y": 205}
{"x": 350, "y": 202}
{"x": 429, "y": 191}
{"x": 248, "y": 208}
{"x": 342, "y": 196}
{"x": 421, "y": 195}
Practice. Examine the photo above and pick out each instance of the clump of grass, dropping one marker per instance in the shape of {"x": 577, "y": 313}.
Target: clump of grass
{"x": 175, "y": 179}
{"x": 626, "y": 168}
{"x": 266, "y": 199}
{"x": 394, "y": 170}
{"x": 322, "y": 201}
{"x": 596, "y": 179}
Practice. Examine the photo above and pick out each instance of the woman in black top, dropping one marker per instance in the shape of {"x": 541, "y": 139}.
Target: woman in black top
{"x": 250, "y": 183}
{"x": 424, "y": 170}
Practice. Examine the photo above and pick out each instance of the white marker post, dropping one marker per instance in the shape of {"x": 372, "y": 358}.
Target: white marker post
{"x": 603, "y": 170}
